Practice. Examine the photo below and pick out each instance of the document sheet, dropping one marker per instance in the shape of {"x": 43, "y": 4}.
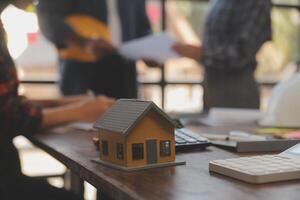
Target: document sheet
{"x": 156, "y": 48}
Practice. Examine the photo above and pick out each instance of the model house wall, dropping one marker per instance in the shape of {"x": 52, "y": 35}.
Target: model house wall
{"x": 152, "y": 127}
{"x": 112, "y": 140}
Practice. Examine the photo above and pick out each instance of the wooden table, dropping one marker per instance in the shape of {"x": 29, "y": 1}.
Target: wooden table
{"x": 75, "y": 149}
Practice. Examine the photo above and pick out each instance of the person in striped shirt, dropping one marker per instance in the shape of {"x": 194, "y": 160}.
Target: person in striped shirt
{"x": 20, "y": 116}
{"x": 234, "y": 31}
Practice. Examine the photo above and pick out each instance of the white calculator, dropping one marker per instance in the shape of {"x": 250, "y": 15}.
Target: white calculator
{"x": 261, "y": 169}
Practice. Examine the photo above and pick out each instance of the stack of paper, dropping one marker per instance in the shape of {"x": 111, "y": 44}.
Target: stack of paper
{"x": 231, "y": 117}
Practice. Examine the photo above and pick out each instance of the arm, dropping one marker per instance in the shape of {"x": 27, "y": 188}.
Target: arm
{"x": 89, "y": 109}
{"x": 188, "y": 50}
{"x": 20, "y": 116}
{"x": 48, "y": 103}
{"x": 17, "y": 115}
{"x": 258, "y": 27}
{"x": 51, "y": 15}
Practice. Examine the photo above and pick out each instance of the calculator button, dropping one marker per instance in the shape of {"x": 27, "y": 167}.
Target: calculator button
{"x": 220, "y": 162}
{"x": 289, "y": 165}
{"x": 274, "y": 166}
{"x": 180, "y": 142}
{"x": 270, "y": 171}
{"x": 284, "y": 167}
{"x": 191, "y": 140}
{"x": 296, "y": 162}
{"x": 238, "y": 166}
{"x": 258, "y": 172}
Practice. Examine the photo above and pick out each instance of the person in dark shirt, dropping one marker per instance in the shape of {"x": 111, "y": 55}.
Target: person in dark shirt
{"x": 234, "y": 32}
{"x": 19, "y": 116}
{"x": 111, "y": 75}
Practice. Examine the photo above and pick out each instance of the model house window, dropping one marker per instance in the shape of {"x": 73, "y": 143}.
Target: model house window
{"x": 104, "y": 148}
{"x": 165, "y": 148}
{"x": 138, "y": 151}
{"x": 120, "y": 151}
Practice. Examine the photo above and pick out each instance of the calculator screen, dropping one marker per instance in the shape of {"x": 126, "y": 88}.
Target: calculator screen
{"x": 295, "y": 150}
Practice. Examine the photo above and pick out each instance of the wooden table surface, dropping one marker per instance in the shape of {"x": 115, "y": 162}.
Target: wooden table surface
{"x": 75, "y": 149}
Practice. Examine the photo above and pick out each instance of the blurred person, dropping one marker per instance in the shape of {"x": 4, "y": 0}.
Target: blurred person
{"x": 111, "y": 74}
{"x": 19, "y": 116}
{"x": 234, "y": 32}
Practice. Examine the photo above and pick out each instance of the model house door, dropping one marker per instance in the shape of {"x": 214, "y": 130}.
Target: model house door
{"x": 151, "y": 151}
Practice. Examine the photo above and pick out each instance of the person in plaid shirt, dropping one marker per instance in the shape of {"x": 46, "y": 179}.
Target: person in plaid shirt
{"x": 234, "y": 32}
{"x": 19, "y": 116}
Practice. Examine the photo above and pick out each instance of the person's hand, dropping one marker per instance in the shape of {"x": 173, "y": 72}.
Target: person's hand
{"x": 48, "y": 103}
{"x": 73, "y": 99}
{"x": 96, "y": 47}
{"x": 87, "y": 110}
{"x": 91, "y": 109}
{"x": 99, "y": 47}
{"x": 188, "y": 50}
{"x": 151, "y": 63}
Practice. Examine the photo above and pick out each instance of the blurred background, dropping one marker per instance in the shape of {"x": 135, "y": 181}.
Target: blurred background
{"x": 176, "y": 86}
{"x": 36, "y": 58}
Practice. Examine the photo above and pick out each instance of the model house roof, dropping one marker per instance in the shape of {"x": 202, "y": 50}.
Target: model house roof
{"x": 126, "y": 113}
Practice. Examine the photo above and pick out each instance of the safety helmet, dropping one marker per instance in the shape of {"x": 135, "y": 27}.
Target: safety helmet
{"x": 284, "y": 105}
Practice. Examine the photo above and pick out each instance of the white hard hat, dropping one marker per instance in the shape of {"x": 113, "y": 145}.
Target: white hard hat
{"x": 284, "y": 105}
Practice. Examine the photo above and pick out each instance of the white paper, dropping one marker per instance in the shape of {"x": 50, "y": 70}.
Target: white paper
{"x": 231, "y": 117}
{"x": 157, "y": 48}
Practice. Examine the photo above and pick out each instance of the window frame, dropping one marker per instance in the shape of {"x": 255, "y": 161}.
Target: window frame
{"x": 105, "y": 147}
{"x": 164, "y": 150}
{"x": 163, "y": 82}
{"x": 137, "y": 151}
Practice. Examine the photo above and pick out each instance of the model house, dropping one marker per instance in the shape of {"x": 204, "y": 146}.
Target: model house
{"x": 136, "y": 134}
